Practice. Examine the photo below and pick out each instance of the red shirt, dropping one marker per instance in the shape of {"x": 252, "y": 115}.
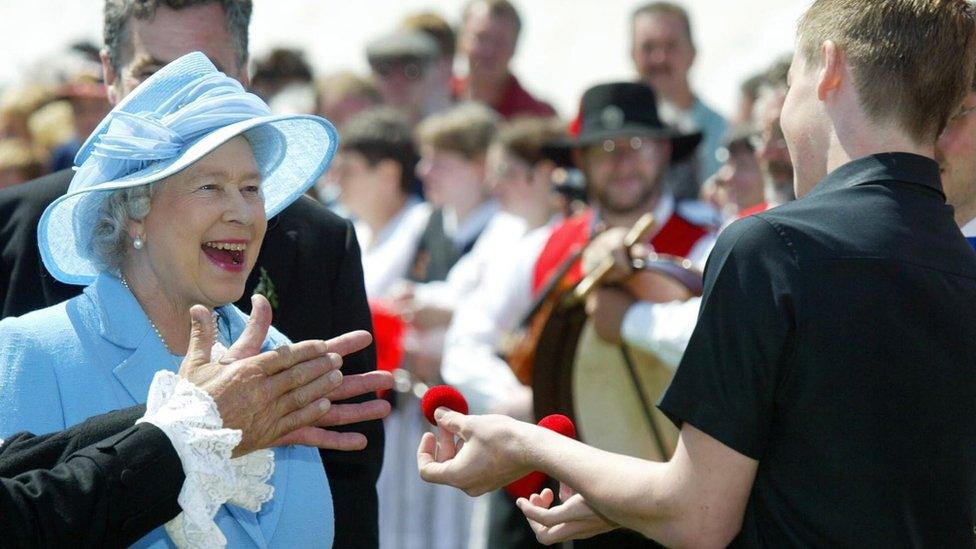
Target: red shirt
{"x": 753, "y": 210}
{"x": 513, "y": 102}
{"x": 677, "y": 237}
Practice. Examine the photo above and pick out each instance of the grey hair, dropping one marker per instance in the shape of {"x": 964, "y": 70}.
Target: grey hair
{"x": 237, "y": 17}
{"x": 110, "y": 236}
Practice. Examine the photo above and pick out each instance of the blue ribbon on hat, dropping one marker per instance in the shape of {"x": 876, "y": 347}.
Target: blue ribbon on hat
{"x": 129, "y": 142}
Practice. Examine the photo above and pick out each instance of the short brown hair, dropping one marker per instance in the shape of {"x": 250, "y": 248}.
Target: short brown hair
{"x": 383, "y": 133}
{"x": 496, "y": 8}
{"x": 664, "y": 8}
{"x": 237, "y": 17}
{"x": 434, "y": 26}
{"x": 343, "y": 84}
{"x": 466, "y": 129}
{"x": 526, "y": 137}
{"x": 912, "y": 61}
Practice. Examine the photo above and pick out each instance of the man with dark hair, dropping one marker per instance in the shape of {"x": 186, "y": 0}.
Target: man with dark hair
{"x": 376, "y": 173}
{"x": 309, "y": 264}
{"x": 663, "y": 50}
{"x": 839, "y": 409}
{"x": 488, "y": 35}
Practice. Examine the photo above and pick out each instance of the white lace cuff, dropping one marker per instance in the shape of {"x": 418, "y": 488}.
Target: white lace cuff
{"x": 189, "y": 418}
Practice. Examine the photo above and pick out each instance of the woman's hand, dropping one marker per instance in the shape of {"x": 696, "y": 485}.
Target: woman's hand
{"x": 571, "y": 519}
{"x": 275, "y": 397}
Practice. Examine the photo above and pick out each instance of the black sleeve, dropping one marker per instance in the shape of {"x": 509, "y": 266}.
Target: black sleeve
{"x": 726, "y": 382}
{"x": 108, "y": 494}
{"x": 25, "y": 285}
{"x": 24, "y": 451}
{"x": 353, "y": 475}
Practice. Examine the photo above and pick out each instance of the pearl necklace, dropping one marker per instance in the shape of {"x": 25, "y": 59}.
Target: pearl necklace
{"x": 155, "y": 329}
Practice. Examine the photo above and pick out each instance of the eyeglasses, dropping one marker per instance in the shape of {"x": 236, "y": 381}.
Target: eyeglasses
{"x": 612, "y": 149}
{"x": 409, "y": 68}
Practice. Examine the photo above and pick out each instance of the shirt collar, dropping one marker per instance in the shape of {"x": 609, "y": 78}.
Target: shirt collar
{"x": 904, "y": 167}
{"x": 969, "y": 229}
{"x": 468, "y": 230}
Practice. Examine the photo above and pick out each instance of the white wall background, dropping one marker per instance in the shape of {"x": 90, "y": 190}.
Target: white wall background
{"x": 566, "y": 46}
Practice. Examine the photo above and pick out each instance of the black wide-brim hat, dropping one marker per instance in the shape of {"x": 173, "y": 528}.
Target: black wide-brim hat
{"x": 620, "y": 110}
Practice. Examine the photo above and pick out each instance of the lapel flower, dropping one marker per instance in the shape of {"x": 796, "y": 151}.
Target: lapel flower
{"x": 266, "y": 288}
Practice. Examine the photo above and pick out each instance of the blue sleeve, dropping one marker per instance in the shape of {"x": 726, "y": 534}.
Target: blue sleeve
{"x": 30, "y": 399}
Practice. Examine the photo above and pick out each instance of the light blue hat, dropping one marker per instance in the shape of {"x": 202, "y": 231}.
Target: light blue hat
{"x": 179, "y": 114}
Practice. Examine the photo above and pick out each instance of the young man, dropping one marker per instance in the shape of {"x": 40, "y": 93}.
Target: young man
{"x": 840, "y": 409}
{"x": 309, "y": 261}
{"x": 375, "y": 170}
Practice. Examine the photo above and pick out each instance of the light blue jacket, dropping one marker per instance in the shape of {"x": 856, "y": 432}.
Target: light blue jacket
{"x": 97, "y": 353}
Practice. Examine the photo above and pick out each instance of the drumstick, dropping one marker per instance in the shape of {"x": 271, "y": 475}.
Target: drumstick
{"x": 637, "y": 233}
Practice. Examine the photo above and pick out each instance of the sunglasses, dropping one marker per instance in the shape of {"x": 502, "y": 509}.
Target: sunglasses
{"x": 411, "y": 69}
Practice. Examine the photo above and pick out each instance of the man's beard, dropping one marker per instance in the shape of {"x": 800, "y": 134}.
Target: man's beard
{"x": 607, "y": 203}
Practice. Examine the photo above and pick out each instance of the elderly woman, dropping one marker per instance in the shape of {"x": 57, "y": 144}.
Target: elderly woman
{"x": 168, "y": 209}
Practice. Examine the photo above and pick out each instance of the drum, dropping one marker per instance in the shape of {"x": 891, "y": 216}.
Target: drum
{"x": 610, "y": 391}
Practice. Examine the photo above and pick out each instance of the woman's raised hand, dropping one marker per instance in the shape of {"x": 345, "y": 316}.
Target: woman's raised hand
{"x": 280, "y": 396}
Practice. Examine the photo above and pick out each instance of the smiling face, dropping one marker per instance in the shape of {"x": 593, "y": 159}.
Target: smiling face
{"x": 204, "y": 229}
{"x": 662, "y": 52}
{"x": 624, "y": 174}
{"x": 488, "y": 41}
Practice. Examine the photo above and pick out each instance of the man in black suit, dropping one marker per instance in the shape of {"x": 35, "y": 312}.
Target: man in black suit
{"x": 309, "y": 266}
{"x": 108, "y": 481}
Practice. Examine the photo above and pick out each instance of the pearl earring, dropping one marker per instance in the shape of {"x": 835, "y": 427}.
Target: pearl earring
{"x": 137, "y": 243}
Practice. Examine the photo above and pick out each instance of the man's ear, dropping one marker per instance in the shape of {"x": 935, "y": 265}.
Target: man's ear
{"x": 110, "y": 78}
{"x": 832, "y": 69}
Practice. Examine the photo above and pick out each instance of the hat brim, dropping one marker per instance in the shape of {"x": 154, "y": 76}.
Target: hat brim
{"x": 291, "y": 151}
{"x": 682, "y": 144}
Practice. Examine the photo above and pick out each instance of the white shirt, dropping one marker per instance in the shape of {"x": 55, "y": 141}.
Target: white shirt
{"x": 387, "y": 254}
{"x": 500, "y": 233}
{"x": 495, "y": 308}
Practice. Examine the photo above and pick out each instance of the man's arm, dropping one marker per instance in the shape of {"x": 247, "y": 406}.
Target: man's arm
{"x": 723, "y": 395}
{"x": 109, "y": 493}
{"x": 698, "y": 498}
{"x": 25, "y": 451}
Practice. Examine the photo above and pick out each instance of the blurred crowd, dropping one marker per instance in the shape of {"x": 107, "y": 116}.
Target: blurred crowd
{"x": 453, "y": 174}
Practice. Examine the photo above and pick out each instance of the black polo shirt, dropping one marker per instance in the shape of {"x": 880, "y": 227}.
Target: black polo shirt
{"x": 836, "y": 345}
